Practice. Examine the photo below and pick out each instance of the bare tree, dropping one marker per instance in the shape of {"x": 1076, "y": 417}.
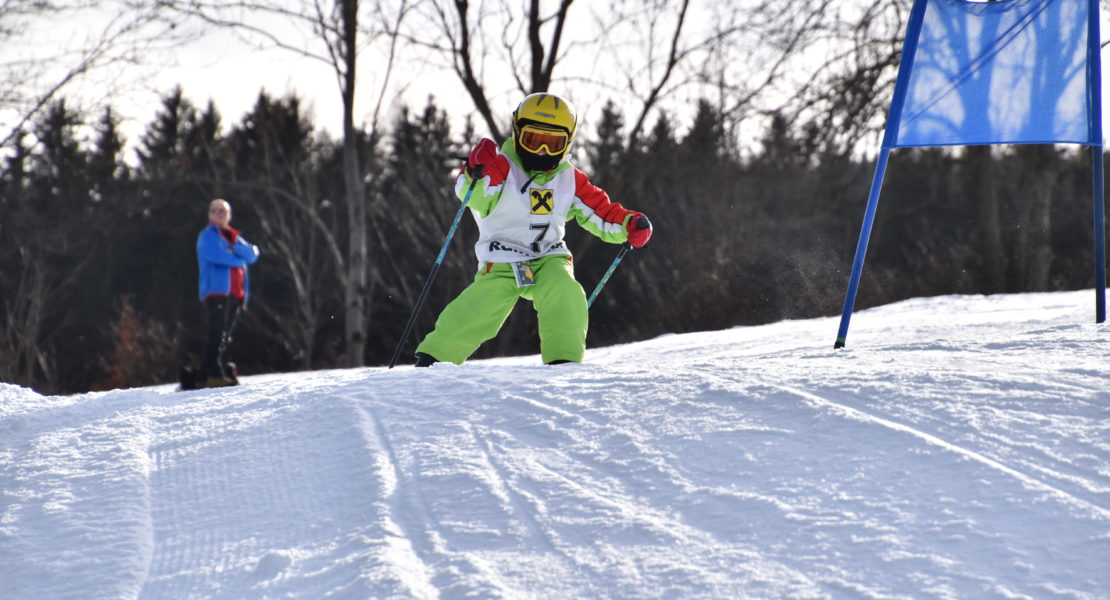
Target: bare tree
{"x": 23, "y": 358}
{"x": 42, "y": 188}
{"x": 40, "y": 60}
{"x": 274, "y": 165}
{"x": 644, "y": 52}
{"x": 528, "y": 43}
{"x": 338, "y": 33}
{"x": 837, "y": 65}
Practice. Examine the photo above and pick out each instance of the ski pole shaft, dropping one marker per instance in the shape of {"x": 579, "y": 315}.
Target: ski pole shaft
{"x": 435, "y": 269}
{"x": 605, "y": 277}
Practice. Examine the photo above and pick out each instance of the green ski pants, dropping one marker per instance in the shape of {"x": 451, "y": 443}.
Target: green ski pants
{"x": 480, "y": 310}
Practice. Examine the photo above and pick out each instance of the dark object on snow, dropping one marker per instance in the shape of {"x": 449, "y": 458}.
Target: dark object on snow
{"x": 192, "y": 379}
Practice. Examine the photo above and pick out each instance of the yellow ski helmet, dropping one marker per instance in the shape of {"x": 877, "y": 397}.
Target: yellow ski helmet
{"x": 543, "y": 127}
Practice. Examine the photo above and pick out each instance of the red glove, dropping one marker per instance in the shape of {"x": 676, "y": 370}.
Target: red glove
{"x": 639, "y": 230}
{"x": 485, "y": 161}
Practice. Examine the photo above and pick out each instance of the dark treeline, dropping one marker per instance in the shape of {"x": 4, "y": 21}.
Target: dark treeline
{"x": 98, "y": 270}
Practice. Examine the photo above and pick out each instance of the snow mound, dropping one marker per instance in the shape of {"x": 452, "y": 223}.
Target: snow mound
{"x": 958, "y": 448}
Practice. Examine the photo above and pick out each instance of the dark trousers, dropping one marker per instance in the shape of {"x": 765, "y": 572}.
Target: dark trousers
{"x": 222, "y": 312}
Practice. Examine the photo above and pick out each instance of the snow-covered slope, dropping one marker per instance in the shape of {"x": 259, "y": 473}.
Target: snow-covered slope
{"x": 958, "y": 448}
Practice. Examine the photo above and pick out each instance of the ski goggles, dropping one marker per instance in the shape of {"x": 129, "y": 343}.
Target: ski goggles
{"x": 534, "y": 139}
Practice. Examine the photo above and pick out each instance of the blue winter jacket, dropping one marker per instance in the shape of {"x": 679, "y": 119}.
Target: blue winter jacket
{"x": 216, "y": 257}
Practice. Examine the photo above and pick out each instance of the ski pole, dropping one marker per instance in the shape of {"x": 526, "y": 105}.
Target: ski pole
{"x": 605, "y": 277}
{"x": 435, "y": 267}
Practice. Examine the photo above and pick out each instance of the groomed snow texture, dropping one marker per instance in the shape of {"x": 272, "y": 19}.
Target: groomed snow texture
{"x": 958, "y": 448}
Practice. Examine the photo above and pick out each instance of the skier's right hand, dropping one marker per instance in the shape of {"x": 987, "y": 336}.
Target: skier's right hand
{"x": 486, "y": 161}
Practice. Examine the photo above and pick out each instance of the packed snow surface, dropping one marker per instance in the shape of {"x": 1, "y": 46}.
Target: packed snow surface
{"x": 958, "y": 448}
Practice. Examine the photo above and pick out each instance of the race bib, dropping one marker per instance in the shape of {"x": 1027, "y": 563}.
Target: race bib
{"x": 522, "y": 269}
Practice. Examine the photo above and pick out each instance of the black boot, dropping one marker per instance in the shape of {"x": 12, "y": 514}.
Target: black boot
{"x": 231, "y": 372}
{"x": 424, "y": 360}
{"x": 189, "y": 378}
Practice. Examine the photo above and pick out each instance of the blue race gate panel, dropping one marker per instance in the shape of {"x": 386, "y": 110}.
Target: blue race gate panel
{"x": 1008, "y": 72}
{"x": 1004, "y": 72}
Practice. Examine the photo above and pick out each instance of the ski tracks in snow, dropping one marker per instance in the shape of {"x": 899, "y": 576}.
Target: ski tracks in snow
{"x": 749, "y": 463}
{"x": 73, "y": 478}
{"x": 273, "y": 493}
{"x": 521, "y": 492}
{"x": 1032, "y": 481}
{"x": 1033, "y": 459}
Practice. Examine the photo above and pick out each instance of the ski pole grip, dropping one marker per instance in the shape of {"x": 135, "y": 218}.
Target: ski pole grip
{"x": 476, "y": 171}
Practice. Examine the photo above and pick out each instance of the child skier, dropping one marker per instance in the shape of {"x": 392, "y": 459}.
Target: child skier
{"x": 525, "y": 193}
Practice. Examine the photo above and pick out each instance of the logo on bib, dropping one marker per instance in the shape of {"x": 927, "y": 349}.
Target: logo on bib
{"x": 542, "y": 201}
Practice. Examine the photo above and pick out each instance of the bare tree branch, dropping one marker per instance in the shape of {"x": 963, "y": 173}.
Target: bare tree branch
{"x": 119, "y": 32}
{"x": 672, "y": 60}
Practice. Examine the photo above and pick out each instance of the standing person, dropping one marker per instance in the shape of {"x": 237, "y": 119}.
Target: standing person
{"x": 525, "y": 193}
{"x": 223, "y": 256}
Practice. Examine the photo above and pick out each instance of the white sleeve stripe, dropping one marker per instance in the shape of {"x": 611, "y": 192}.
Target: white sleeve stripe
{"x": 592, "y": 216}
{"x": 461, "y": 186}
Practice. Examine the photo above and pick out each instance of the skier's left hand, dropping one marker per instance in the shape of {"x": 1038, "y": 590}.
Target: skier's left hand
{"x": 639, "y": 230}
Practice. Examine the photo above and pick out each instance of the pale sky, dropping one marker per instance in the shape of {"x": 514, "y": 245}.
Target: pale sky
{"x": 231, "y": 73}
{"x": 222, "y": 67}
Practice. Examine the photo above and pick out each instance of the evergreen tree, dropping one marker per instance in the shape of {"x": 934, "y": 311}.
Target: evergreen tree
{"x": 48, "y": 232}
{"x": 16, "y": 351}
{"x": 662, "y": 140}
{"x": 412, "y": 210}
{"x": 780, "y": 150}
{"x": 174, "y": 182}
{"x": 106, "y": 228}
{"x": 107, "y": 170}
{"x": 162, "y": 149}
{"x": 603, "y": 156}
{"x": 13, "y": 177}
{"x": 706, "y": 137}
{"x": 270, "y": 174}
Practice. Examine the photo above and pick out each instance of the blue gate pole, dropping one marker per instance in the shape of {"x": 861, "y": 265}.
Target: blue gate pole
{"x": 861, "y": 247}
{"x": 1100, "y": 235}
{"x": 909, "y": 49}
{"x": 1094, "y": 99}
